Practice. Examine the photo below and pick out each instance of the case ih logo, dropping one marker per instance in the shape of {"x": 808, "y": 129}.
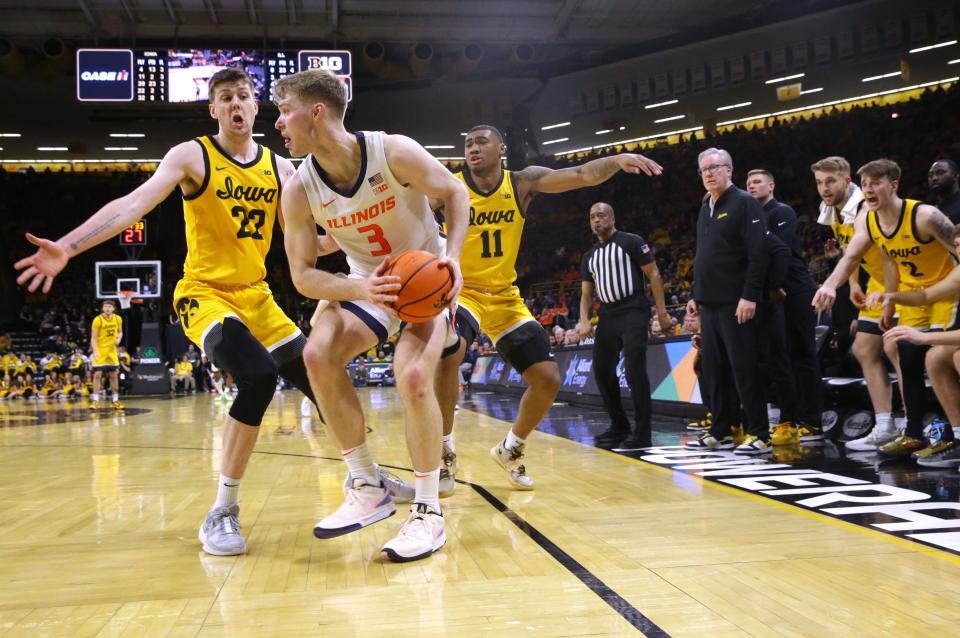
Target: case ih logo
{"x": 105, "y": 76}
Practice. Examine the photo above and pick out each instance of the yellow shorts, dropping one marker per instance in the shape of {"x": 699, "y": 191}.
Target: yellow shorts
{"x": 497, "y": 313}
{"x": 106, "y": 358}
{"x": 940, "y": 315}
{"x": 871, "y": 314}
{"x": 201, "y": 306}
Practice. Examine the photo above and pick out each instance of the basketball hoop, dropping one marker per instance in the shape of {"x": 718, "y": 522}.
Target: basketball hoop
{"x": 125, "y": 297}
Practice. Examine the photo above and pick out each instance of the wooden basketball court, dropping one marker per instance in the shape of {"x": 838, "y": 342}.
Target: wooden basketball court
{"x": 98, "y": 537}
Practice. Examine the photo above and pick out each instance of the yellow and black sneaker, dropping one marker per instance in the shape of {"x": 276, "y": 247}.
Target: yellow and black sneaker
{"x": 785, "y": 433}
{"x": 94, "y": 405}
{"x": 116, "y": 405}
{"x": 902, "y": 446}
{"x": 703, "y": 425}
{"x": 737, "y": 434}
{"x": 809, "y": 433}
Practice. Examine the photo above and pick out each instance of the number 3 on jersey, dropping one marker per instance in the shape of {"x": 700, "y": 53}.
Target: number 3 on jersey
{"x": 375, "y": 236}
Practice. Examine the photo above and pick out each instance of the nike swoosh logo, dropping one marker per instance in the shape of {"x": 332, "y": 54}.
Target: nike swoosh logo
{"x": 755, "y": 221}
{"x": 220, "y": 168}
{"x": 330, "y": 202}
{"x": 781, "y": 223}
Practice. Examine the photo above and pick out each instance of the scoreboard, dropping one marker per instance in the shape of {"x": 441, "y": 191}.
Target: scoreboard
{"x": 181, "y": 75}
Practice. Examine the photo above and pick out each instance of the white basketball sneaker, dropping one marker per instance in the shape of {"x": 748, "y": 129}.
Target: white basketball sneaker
{"x": 878, "y": 436}
{"x": 400, "y": 490}
{"x": 422, "y": 534}
{"x": 220, "y": 532}
{"x": 363, "y": 505}
{"x": 512, "y": 461}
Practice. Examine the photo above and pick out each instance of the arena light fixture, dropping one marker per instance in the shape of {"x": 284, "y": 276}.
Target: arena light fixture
{"x": 550, "y": 126}
{"x": 659, "y": 104}
{"x": 622, "y": 128}
{"x": 785, "y": 78}
{"x": 733, "y": 106}
{"x": 630, "y": 141}
{"x": 880, "y": 77}
{"x": 807, "y": 91}
{"x": 439, "y": 146}
{"x": 121, "y": 148}
{"x": 9, "y": 135}
{"x": 669, "y": 119}
{"x": 957, "y": 61}
{"x": 556, "y": 141}
{"x": 127, "y": 135}
{"x": 52, "y": 148}
{"x": 603, "y": 132}
{"x": 867, "y": 96}
{"x": 933, "y": 46}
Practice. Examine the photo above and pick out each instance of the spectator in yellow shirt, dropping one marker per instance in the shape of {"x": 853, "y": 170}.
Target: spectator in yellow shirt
{"x": 183, "y": 372}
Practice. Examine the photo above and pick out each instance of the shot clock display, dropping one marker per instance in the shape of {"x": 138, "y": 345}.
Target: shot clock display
{"x": 135, "y": 234}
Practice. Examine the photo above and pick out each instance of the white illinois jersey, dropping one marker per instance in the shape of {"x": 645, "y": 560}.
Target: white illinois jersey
{"x": 377, "y": 217}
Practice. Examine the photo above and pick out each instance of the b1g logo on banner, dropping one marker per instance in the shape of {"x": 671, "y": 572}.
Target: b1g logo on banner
{"x": 105, "y": 75}
{"x": 337, "y": 62}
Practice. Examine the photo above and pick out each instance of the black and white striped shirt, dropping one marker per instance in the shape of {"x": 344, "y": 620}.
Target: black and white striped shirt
{"x": 613, "y": 267}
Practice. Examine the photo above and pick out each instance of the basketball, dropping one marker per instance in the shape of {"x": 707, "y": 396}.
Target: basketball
{"x": 424, "y": 282}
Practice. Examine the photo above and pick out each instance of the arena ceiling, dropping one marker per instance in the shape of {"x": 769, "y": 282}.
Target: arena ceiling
{"x": 577, "y": 33}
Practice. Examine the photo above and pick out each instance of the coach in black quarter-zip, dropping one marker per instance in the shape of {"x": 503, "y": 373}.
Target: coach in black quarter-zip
{"x": 614, "y": 269}
{"x": 728, "y": 281}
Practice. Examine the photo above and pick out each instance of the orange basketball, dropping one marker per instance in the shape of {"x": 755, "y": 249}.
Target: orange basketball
{"x": 423, "y": 284}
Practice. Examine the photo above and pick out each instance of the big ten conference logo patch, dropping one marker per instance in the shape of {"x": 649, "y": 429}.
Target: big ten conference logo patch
{"x": 53, "y": 413}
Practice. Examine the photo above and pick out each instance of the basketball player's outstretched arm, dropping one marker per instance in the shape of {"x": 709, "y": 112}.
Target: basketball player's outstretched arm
{"x": 852, "y": 256}
{"x": 300, "y": 242}
{"x": 539, "y": 179}
{"x": 51, "y": 257}
{"x": 413, "y": 166}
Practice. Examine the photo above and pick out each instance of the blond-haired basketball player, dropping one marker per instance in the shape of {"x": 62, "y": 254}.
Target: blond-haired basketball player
{"x": 231, "y": 196}
{"x": 369, "y": 191}
{"x": 106, "y": 332}
{"x": 917, "y": 243}
{"x": 491, "y": 303}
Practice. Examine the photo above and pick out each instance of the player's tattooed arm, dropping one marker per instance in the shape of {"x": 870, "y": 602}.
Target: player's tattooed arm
{"x": 538, "y": 179}
{"x": 183, "y": 164}
{"x": 930, "y": 220}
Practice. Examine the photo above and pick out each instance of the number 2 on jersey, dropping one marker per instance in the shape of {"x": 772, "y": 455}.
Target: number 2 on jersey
{"x": 376, "y": 237}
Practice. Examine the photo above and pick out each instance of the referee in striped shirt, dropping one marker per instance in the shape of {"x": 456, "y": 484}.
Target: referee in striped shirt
{"x": 612, "y": 269}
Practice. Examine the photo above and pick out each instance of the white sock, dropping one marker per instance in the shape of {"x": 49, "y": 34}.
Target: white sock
{"x": 94, "y": 397}
{"x": 428, "y": 488}
{"x": 513, "y": 440}
{"x": 448, "y": 441}
{"x": 884, "y": 420}
{"x": 773, "y": 413}
{"x": 360, "y": 464}
{"x": 116, "y": 397}
{"x": 228, "y": 491}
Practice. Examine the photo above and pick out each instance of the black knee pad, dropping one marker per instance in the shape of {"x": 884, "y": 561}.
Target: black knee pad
{"x": 467, "y": 326}
{"x": 233, "y": 348}
{"x": 525, "y": 346}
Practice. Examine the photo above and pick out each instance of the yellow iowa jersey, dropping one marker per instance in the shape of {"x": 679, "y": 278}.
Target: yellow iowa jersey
{"x": 490, "y": 251}
{"x": 107, "y": 332}
{"x": 229, "y": 221}
{"x": 921, "y": 263}
{"x": 872, "y": 260}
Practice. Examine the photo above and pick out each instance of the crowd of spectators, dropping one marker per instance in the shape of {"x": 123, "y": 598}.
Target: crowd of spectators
{"x": 662, "y": 210}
